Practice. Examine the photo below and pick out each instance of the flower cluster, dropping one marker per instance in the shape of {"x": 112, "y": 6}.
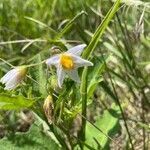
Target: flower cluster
{"x": 66, "y": 63}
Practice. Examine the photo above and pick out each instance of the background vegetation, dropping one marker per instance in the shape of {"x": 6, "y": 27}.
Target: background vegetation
{"x": 110, "y": 109}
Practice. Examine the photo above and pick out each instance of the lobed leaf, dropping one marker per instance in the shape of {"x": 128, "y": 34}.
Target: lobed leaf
{"x": 34, "y": 139}
{"x": 14, "y": 102}
{"x": 108, "y": 123}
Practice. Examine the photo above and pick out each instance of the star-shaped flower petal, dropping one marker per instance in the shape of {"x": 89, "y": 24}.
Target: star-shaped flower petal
{"x": 68, "y": 62}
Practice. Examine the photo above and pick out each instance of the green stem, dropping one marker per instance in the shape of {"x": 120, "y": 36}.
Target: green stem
{"x": 84, "y": 104}
{"x": 32, "y": 65}
{"x": 6, "y": 62}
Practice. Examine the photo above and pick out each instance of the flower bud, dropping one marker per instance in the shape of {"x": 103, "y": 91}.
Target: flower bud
{"x": 48, "y": 108}
{"x": 13, "y": 77}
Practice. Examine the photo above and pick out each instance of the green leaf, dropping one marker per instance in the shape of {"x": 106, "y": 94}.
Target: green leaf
{"x": 41, "y": 77}
{"x": 94, "y": 76}
{"x": 41, "y": 24}
{"x": 14, "y": 102}
{"x": 100, "y": 30}
{"x": 34, "y": 139}
{"x": 93, "y": 86}
{"x": 108, "y": 123}
{"x": 68, "y": 26}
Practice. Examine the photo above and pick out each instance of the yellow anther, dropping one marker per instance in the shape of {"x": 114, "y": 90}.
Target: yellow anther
{"x": 66, "y": 61}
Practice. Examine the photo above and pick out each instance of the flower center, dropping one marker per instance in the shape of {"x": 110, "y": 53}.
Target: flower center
{"x": 22, "y": 71}
{"x": 66, "y": 61}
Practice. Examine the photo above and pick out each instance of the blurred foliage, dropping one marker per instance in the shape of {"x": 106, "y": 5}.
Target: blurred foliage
{"x": 35, "y": 138}
{"x": 108, "y": 123}
{"x": 14, "y": 102}
{"x": 31, "y": 30}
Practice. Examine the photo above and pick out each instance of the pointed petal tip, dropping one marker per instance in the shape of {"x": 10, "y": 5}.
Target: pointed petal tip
{"x": 52, "y": 60}
{"x": 59, "y": 84}
{"x": 77, "y": 50}
{"x": 60, "y": 75}
{"x": 84, "y": 45}
{"x": 46, "y": 61}
{"x": 80, "y": 62}
{"x": 91, "y": 64}
{"x": 1, "y": 80}
{"x": 88, "y": 63}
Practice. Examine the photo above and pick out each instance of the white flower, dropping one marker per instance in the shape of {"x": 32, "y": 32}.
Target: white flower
{"x": 13, "y": 77}
{"x": 68, "y": 63}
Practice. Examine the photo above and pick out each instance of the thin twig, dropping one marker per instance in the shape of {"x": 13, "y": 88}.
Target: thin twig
{"x": 100, "y": 130}
{"x": 22, "y": 41}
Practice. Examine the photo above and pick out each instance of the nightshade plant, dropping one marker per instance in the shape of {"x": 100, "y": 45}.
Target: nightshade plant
{"x": 104, "y": 82}
{"x": 67, "y": 62}
{"x": 61, "y": 105}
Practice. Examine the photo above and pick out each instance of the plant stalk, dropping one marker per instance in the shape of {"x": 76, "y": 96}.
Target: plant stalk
{"x": 84, "y": 105}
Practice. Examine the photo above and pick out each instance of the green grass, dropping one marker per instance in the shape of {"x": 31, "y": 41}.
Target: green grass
{"x": 110, "y": 108}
